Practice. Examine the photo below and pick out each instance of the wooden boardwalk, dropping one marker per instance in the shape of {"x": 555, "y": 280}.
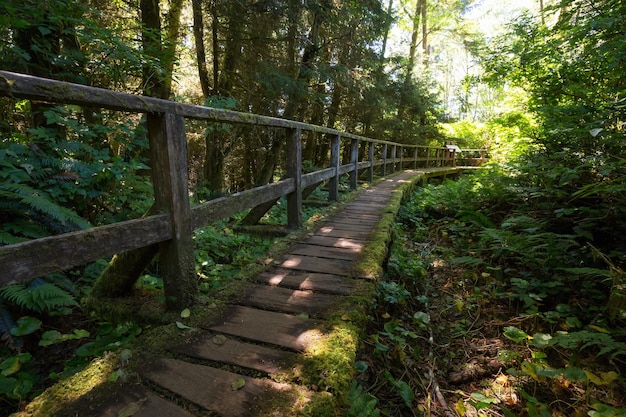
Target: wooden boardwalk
{"x": 268, "y": 327}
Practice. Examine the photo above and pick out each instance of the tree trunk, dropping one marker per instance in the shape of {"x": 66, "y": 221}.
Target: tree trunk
{"x": 172, "y": 38}
{"x": 424, "y": 32}
{"x": 198, "y": 36}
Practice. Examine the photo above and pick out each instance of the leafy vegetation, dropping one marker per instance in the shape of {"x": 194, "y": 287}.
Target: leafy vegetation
{"x": 488, "y": 309}
{"x": 519, "y": 268}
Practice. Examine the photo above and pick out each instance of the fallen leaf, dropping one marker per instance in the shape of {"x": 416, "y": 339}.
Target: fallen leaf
{"x": 219, "y": 339}
{"x": 182, "y": 326}
{"x": 185, "y": 313}
{"x": 238, "y": 384}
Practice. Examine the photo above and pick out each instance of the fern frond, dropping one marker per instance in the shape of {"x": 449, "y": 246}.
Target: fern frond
{"x": 40, "y": 298}
{"x": 38, "y": 201}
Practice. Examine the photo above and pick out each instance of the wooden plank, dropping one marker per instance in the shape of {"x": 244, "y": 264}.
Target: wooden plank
{"x": 335, "y": 157}
{"x": 354, "y": 160}
{"x": 335, "y": 226}
{"x": 42, "y": 89}
{"x": 349, "y": 254}
{"x": 344, "y": 233}
{"x": 223, "y": 207}
{"x": 317, "y": 177}
{"x": 168, "y": 151}
{"x": 356, "y": 219}
{"x": 294, "y": 171}
{"x": 312, "y": 264}
{"x": 336, "y": 242}
{"x": 269, "y": 327}
{"x": 313, "y": 281}
{"x": 286, "y": 300}
{"x": 142, "y": 402}
{"x": 210, "y": 388}
{"x": 34, "y": 258}
{"x": 246, "y": 355}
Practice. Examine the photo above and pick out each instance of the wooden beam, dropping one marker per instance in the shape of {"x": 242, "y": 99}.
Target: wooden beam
{"x": 35, "y": 258}
{"x": 168, "y": 146}
{"x": 294, "y": 171}
{"x": 333, "y": 186}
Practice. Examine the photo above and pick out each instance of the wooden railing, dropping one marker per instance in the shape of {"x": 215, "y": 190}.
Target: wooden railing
{"x": 174, "y": 225}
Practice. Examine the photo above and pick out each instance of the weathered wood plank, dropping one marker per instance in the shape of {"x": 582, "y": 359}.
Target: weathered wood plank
{"x": 286, "y": 300}
{"x": 312, "y": 264}
{"x": 335, "y": 160}
{"x": 354, "y": 161}
{"x": 142, "y": 402}
{"x": 312, "y": 281}
{"x": 246, "y": 355}
{"x": 210, "y": 388}
{"x": 348, "y": 254}
{"x": 335, "y": 226}
{"x": 317, "y": 177}
{"x": 337, "y": 242}
{"x": 343, "y": 233}
{"x": 168, "y": 148}
{"x": 27, "y": 260}
{"x": 42, "y": 89}
{"x": 223, "y": 207}
{"x": 265, "y": 326}
{"x": 294, "y": 171}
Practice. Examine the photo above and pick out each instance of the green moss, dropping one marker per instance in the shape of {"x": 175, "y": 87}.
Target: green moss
{"x": 370, "y": 262}
{"x": 56, "y": 398}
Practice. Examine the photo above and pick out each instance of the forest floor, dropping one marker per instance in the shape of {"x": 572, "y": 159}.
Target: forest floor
{"x": 444, "y": 340}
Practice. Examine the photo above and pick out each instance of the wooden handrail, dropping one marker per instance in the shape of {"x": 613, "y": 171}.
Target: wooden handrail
{"x": 173, "y": 229}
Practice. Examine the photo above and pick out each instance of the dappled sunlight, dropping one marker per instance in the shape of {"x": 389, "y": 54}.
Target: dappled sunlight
{"x": 292, "y": 262}
{"x": 309, "y": 338}
{"x": 276, "y": 279}
{"x": 348, "y": 243}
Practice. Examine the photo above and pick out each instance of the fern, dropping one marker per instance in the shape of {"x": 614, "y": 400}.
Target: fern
{"x": 38, "y": 201}
{"x": 361, "y": 404}
{"x": 40, "y": 297}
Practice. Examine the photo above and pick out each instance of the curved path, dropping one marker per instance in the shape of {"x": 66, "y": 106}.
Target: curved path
{"x": 270, "y": 325}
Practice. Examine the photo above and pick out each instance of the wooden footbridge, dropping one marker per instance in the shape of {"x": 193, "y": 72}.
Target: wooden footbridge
{"x": 233, "y": 364}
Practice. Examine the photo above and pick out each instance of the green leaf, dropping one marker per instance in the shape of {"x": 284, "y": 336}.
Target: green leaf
{"x": 421, "y": 318}
{"x": 182, "y": 326}
{"x": 406, "y": 393}
{"x": 53, "y": 337}
{"x": 540, "y": 340}
{"x": 13, "y": 364}
{"x": 185, "y": 313}
{"x": 360, "y": 366}
{"x": 238, "y": 384}
{"x": 572, "y": 373}
{"x": 25, "y": 326}
{"x": 7, "y": 385}
{"x": 515, "y": 334}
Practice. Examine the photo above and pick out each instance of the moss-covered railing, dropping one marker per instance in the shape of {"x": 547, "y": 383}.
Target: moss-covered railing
{"x": 169, "y": 228}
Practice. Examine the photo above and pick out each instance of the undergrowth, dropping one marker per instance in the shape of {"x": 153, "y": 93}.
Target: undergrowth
{"x": 496, "y": 302}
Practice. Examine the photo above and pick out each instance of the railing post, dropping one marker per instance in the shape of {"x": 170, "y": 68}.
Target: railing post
{"x": 383, "y": 168}
{"x": 401, "y": 157}
{"x": 333, "y": 183}
{"x": 393, "y": 158}
{"x": 354, "y": 160}
{"x": 370, "y": 157}
{"x": 415, "y": 157}
{"x": 427, "y": 157}
{"x": 168, "y": 147}
{"x": 294, "y": 171}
